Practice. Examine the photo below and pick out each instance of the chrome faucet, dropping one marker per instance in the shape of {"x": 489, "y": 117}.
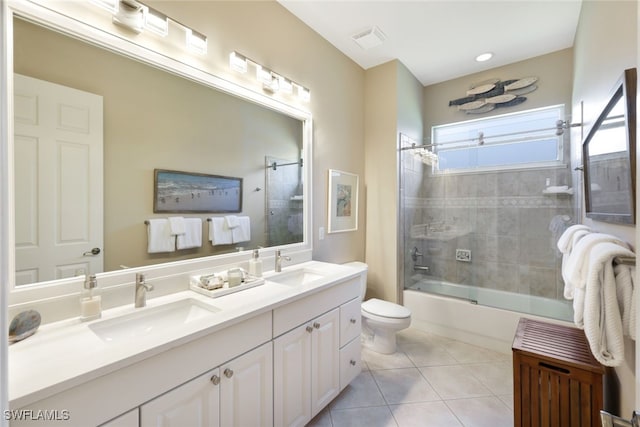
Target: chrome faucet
{"x": 279, "y": 258}
{"x": 141, "y": 290}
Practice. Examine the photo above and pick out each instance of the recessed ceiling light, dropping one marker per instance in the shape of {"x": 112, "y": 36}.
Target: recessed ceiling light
{"x": 484, "y": 57}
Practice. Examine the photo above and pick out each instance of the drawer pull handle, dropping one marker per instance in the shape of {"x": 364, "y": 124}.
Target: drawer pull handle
{"x": 215, "y": 380}
{"x": 309, "y": 329}
{"x": 316, "y": 325}
{"x": 353, "y": 320}
{"x": 554, "y": 368}
{"x": 228, "y": 373}
{"x": 352, "y": 362}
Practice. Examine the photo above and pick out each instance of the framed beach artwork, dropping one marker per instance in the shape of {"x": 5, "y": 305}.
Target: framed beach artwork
{"x": 182, "y": 192}
{"x": 343, "y": 201}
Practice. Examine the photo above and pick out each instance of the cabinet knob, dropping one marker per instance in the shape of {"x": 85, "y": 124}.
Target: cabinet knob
{"x": 352, "y": 320}
{"x": 215, "y": 380}
{"x": 316, "y": 325}
{"x": 352, "y": 362}
{"x": 309, "y": 329}
{"x": 228, "y": 373}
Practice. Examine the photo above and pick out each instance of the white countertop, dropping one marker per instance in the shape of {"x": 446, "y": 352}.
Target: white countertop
{"x": 68, "y": 353}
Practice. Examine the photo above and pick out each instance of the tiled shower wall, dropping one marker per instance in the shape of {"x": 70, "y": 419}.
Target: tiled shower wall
{"x": 284, "y": 202}
{"x": 502, "y": 217}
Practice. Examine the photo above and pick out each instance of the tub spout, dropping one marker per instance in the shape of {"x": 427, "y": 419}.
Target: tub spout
{"x": 421, "y": 268}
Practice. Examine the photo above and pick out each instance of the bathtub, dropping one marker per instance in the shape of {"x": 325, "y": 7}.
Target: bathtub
{"x": 484, "y": 317}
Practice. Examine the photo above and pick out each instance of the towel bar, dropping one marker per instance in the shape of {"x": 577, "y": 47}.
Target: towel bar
{"x": 624, "y": 260}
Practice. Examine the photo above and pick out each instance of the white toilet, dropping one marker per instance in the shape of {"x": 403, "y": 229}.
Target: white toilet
{"x": 380, "y": 319}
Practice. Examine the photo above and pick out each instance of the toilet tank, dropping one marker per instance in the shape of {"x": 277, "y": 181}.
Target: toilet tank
{"x": 362, "y": 268}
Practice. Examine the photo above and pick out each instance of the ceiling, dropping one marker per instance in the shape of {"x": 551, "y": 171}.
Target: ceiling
{"x": 439, "y": 40}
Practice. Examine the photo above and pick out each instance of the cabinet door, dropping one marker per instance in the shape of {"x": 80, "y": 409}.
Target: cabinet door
{"x": 325, "y": 360}
{"x": 292, "y": 377}
{"x": 246, "y": 392}
{"x": 195, "y": 404}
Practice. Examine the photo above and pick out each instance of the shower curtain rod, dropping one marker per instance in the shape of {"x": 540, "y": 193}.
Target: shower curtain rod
{"x": 275, "y": 165}
{"x": 560, "y": 126}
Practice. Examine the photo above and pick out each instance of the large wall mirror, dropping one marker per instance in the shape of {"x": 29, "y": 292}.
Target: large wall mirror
{"x": 610, "y": 157}
{"x": 149, "y": 118}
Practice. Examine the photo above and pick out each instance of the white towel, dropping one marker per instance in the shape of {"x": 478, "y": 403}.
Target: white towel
{"x": 177, "y": 225}
{"x": 159, "y": 238}
{"x": 219, "y": 234}
{"x": 596, "y": 307}
{"x": 192, "y": 238}
{"x": 578, "y": 262}
{"x": 242, "y": 233}
{"x": 565, "y": 269}
{"x": 625, "y": 290}
{"x": 231, "y": 221}
{"x": 565, "y": 241}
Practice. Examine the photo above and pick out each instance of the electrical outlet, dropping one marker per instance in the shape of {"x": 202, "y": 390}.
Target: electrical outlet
{"x": 463, "y": 255}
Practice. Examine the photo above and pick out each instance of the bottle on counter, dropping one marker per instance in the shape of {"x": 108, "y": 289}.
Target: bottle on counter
{"x": 90, "y": 300}
{"x": 255, "y": 264}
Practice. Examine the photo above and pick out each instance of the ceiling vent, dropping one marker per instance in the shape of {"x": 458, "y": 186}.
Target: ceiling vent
{"x": 369, "y": 38}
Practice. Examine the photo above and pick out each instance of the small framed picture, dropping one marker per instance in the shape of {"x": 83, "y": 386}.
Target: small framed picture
{"x": 177, "y": 192}
{"x": 343, "y": 201}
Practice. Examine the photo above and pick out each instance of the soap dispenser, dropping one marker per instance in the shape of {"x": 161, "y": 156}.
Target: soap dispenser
{"x": 255, "y": 264}
{"x": 90, "y": 302}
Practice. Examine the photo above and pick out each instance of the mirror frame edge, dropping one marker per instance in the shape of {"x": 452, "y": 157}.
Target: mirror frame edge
{"x": 626, "y": 84}
{"x": 107, "y": 40}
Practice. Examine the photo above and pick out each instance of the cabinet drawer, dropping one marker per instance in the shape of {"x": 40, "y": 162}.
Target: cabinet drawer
{"x": 350, "y": 362}
{"x": 296, "y": 313}
{"x": 350, "y": 321}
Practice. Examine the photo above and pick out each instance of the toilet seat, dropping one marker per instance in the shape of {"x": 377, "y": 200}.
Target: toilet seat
{"x": 379, "y": 308}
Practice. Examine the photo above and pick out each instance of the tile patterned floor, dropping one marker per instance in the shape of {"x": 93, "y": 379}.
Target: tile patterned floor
{"x": 430, "y": 381}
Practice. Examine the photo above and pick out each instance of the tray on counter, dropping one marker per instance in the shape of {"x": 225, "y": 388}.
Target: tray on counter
{"x": 249, "y": 282}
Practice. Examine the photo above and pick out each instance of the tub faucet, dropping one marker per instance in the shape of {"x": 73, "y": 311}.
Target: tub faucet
{"x": 141, "y": 290}
{"x": 279, "y": 258}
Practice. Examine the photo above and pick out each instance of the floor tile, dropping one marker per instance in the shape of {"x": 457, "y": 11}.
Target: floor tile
{"x": 481, "y": 412}
{"x": 467, "y": 353}
{"x": 454, "y": 382}
{"x": 429, "y": 414}
{"x": 378, "y": 416}
{"x": 361, "y": 392}
{"x": 428, "y": 354}
{"x": 385, "y": 361}
{"x": 404, "y": 386}
{"x": 496, "y": 376}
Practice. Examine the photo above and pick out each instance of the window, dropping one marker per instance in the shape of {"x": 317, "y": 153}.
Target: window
{"x": 523, "y": 139}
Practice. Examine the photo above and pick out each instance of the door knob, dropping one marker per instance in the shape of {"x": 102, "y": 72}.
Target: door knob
{"x": 309, "y": 329}
{"x": 352, "y": 362}
{"x": 92, "y": 252}
{"x": 228, "y": 373}
{"x": 352, "y": 320}
{"x": 316, "y": 325}
{"x": 215, "y": 380}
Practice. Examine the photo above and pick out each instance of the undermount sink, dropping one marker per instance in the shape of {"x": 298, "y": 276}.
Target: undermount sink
{"x": 151, "y": 320}
{"x": 297, "y": 277}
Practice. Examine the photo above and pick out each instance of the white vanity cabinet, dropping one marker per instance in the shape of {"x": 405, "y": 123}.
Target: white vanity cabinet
{"x": 306, "y": 370}
{"x": 308, "y": 350}
{"x": 237, "y": 394}
{"x": 130, "y": 419}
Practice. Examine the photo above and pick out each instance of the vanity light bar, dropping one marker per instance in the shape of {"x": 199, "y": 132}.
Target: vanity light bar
{"x": 156, "y": 22}
{"x": 108, "y": 5}
{"x": 271, "y": 81}
{"x": 137, "y": 16}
